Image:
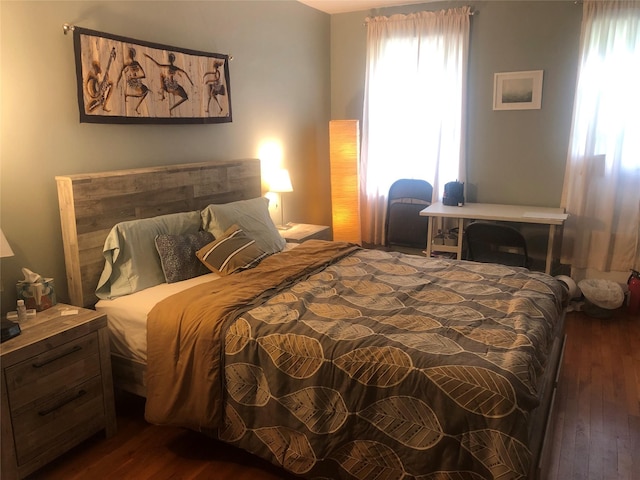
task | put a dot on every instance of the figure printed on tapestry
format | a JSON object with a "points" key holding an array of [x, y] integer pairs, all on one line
{"points": [[133, 73], [169, 77], [99, 89], [215, 85]]}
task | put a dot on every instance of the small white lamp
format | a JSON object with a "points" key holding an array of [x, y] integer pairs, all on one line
{"points": [[5, 251], [281, 183], [5, 248]]}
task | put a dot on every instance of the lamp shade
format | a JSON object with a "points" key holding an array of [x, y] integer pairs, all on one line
{"points": [[5, 248], [344, 157], [280, 181]]}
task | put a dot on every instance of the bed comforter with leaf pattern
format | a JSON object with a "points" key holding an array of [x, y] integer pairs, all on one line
{"points": [[350, 363]]}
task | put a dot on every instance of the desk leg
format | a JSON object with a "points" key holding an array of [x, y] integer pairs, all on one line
{"points": [[550, 244], [429, 238], [460, 236]]}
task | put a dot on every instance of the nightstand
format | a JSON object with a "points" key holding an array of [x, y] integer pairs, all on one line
{"points": [[57, 387], [299, 232]]}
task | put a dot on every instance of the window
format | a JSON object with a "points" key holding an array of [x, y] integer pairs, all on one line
{"points": [[602, 177], [413, 107]]}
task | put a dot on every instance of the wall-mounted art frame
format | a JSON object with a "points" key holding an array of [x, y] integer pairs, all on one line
{"points": [[517, 90], [122, 80]]}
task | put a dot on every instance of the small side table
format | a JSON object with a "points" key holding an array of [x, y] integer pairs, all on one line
{"points": [[57, 387], [300, 232]]}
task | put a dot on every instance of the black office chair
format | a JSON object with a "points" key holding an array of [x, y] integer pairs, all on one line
{"points": [[495, 243], [403, 224]]}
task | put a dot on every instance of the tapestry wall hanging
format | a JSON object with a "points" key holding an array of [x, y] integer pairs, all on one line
{"points": [[122, 80]]}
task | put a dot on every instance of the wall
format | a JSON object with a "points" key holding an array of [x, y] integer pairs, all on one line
{"points": [[515, 157], [294, 68], [280, 91]]}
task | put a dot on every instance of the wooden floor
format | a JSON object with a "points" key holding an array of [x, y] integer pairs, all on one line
{"points": [[596, 436]]}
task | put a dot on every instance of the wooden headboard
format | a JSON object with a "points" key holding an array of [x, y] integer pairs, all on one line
{"points": [[91, 204]]}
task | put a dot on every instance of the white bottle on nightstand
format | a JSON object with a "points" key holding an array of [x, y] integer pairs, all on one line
{"points": [[22, 311]]}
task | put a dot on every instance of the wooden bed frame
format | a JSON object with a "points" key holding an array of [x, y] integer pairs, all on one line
{"points": [[91, 204]]}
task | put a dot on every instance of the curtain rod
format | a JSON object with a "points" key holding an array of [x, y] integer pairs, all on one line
{"points": [[67, 27], [471, 13]]}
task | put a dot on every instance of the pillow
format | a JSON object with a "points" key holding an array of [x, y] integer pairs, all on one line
{"points": [[178, 255], [232, 252], [251, 215], [131, 259]]}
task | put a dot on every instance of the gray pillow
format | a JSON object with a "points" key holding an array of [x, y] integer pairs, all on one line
{"points": [[132, 262], [251, 215], [178, 255]]}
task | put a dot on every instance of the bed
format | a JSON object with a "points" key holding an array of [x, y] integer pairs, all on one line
{"points": [[327, 359]]}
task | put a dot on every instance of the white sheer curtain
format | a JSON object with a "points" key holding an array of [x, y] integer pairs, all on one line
{"points": [[602, 179], [414, 102]]}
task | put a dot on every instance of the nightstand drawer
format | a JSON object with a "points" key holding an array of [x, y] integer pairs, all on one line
{"points": [[52, 372], [58, 420]]}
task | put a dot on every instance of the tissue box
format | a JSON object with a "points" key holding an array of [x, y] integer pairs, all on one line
{"points": [[39, 295]]}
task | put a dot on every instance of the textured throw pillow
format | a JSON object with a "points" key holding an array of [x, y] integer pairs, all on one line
{"points": [[178, 255], [250, 215], [232, 252]]}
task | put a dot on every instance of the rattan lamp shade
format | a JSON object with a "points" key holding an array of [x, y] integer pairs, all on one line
{"points": [[344, 146]]}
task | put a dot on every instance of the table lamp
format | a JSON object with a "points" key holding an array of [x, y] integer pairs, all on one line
{"points": [[281, 183], [5, 251], [5, 248]]}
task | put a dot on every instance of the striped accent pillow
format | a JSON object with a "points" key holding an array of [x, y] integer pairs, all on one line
{"points": [[232, 252]]}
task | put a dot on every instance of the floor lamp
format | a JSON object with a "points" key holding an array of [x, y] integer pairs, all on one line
{"points": [[280, 184], [344, 159]]}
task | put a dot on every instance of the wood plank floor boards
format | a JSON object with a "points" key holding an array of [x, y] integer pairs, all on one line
{"points": [[596, 434], [143, 451]]}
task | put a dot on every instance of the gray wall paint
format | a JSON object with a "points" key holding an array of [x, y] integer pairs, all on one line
{"points": [[280, 90], [294, 68], [515, 157]]}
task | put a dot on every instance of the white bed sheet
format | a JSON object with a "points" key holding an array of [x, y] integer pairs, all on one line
{"points": [[127, 316]]}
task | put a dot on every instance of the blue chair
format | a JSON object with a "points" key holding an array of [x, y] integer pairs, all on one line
{"points": [[403, 224]]}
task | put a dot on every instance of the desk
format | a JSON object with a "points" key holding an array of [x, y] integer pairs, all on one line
{"points": [[494, 212]]}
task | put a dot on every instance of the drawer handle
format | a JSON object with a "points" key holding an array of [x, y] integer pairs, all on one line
{"points": [[75, 349], [80, 393]]}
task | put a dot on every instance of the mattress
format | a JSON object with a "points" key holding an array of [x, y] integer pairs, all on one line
{"points": [[127, 316]]}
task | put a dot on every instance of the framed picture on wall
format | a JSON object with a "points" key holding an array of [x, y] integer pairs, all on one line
{"points": [[517, 90]]}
